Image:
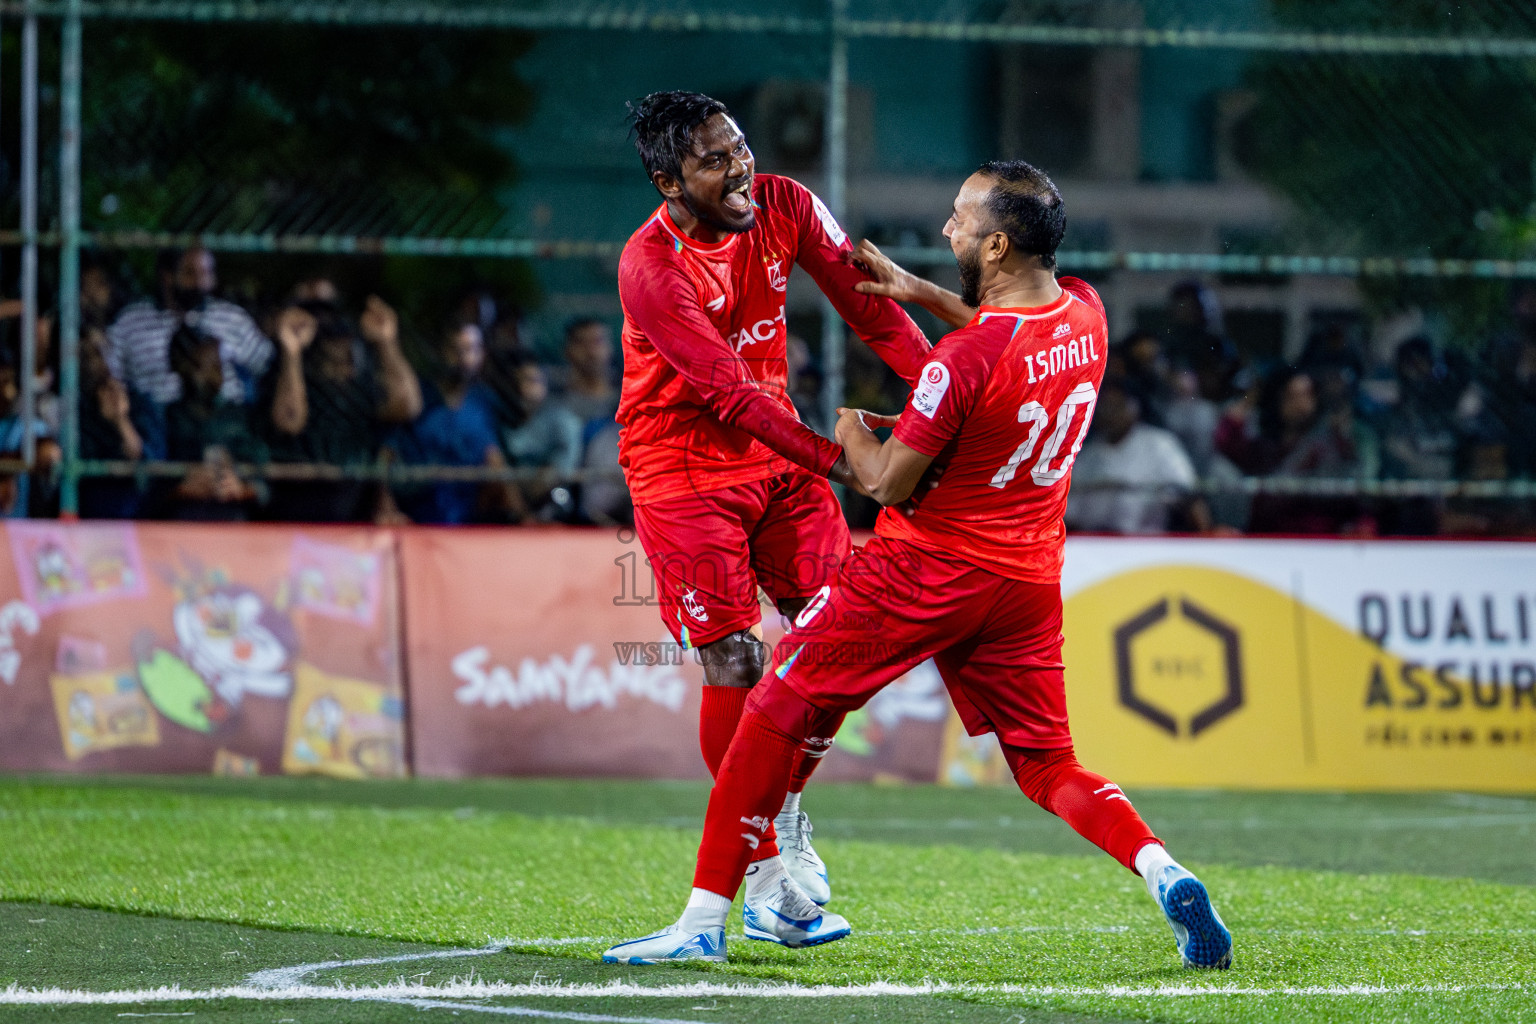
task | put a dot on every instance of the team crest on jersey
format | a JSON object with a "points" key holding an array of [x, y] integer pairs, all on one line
{"points": [[932, 384], [695, 606], [1062, 330], [777, 279]]}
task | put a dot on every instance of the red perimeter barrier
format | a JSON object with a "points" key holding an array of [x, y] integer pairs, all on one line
{"points": [[260, 649], [180, 648]]}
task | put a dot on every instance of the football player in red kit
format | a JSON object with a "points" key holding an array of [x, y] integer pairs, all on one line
{"points": [[964, 568], [730, 488]]}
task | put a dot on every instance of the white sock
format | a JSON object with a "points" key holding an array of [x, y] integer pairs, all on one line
{"points": [[1151, 859], [763, 875], [791, 805], [705, 910]]}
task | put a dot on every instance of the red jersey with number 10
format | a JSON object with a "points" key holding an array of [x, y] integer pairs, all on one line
{"points": [[1003, 405]]}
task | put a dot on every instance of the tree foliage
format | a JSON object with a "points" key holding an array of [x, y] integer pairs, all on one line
{"points": [[298, 128]]}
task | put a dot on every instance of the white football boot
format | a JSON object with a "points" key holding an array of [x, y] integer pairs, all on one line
{"points": [[775, 909], [800, 860], [1202, 937], [673, 944]]}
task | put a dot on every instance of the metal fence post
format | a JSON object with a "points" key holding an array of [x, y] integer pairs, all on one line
{"points": [[28, 234], [68, 338], [832, 336]]}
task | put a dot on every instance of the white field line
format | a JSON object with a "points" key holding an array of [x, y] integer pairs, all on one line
{"points": [[528, 1011], [287, 977], [470, 989]]}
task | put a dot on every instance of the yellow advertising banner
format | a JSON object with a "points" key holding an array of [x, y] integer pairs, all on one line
{"points": [[1296, 664]]}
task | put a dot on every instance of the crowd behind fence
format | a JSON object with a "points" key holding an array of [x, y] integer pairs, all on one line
{"points": [[318, 405], [314, 406]]}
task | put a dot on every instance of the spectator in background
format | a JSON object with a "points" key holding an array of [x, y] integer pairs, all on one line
{"points": [[1511, 381], [117, 423], [588, 390], [1146, 375], [329, 402], [1292, 438], [548, 439], [27, 493], [1419, 436], [804, 383], [206, 426], [1130, 476], [1484, 458], [1332, 347], [1195, 397], [457, 427], [140, 337], [479, 307], [604, 495], [1194, 331], [317, 289], [101, 293]]}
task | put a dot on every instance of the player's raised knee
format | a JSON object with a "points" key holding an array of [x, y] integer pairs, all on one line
{"points": [[734, 660]]}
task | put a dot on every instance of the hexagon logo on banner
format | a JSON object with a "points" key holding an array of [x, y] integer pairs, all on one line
{"points": [[1179, 667]]}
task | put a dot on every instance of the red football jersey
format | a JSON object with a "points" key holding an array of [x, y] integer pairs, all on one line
{"points": [[1003, 406], [705, 400]]}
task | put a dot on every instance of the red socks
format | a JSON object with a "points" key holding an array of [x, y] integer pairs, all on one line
{"points": [[718, 715], [805, 764], [749, 790], [1090, 803], [771, 746]]}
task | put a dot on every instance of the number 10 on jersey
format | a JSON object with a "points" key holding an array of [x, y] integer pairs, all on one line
{"points": [[1080, 401]]}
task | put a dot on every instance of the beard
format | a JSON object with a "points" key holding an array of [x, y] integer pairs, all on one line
{"points": [[970, 275]]}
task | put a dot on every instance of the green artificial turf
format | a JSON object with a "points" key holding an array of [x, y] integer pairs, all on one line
{"points": [[941, 886]]}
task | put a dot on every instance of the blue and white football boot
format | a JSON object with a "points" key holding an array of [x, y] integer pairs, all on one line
{"points": [[800, 860], [776, 910], [1204, 941], [673, 944]]}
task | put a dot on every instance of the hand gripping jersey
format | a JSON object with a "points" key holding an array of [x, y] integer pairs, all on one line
{"points": [[705, 401], [1003, 406]]}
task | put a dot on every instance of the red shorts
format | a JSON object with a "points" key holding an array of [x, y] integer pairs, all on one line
{"points": [[711, 551], [996, 641]]}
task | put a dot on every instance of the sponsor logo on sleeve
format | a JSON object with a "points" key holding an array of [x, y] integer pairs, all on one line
{"points": [[931, 386], [828, 222]]}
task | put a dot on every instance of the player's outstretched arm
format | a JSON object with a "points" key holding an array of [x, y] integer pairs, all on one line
{"points": [[823, 251], [889, 472], [894, 282], [664, 304]]}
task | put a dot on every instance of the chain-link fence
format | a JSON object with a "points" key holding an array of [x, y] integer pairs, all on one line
{"points": [[1312, 224]]}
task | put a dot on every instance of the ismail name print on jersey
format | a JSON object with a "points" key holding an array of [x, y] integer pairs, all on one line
{"points": [[1061, 356]]}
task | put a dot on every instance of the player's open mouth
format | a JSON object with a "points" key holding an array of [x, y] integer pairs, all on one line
{"points": [[739, 198]]}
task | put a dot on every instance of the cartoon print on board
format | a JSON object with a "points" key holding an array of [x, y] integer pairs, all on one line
{"points": [[349, 728], [230, 643], [62, 566], [16, 615], [336, 581]]}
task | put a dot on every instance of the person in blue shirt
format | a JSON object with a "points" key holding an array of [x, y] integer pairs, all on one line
{"points": [[457, 427]]}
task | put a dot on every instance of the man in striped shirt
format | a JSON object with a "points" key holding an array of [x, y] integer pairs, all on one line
{"points": [[139, 340]]}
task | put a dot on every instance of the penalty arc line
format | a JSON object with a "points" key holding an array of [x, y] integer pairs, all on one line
{"points": [[287, 977]]}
